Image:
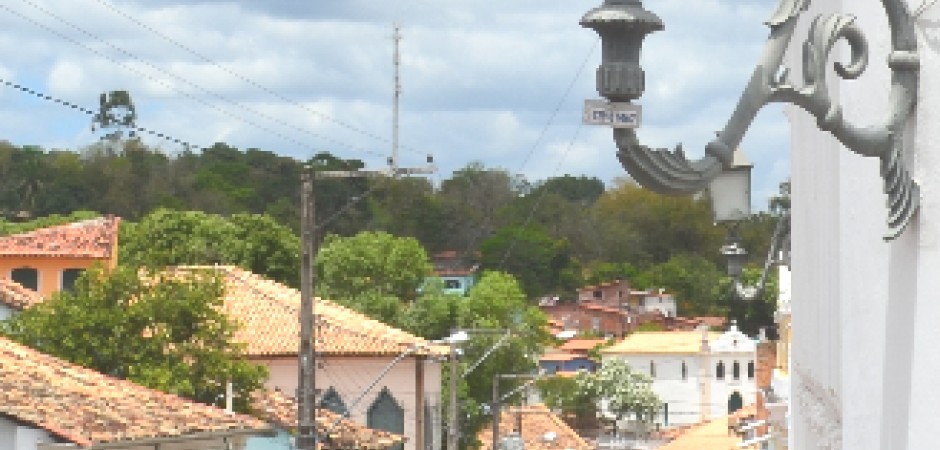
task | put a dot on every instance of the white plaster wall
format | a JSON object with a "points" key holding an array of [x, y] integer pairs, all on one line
{"points": [[5, 312], [865, 313], [684, 396], [18, 437], [351, 376]]}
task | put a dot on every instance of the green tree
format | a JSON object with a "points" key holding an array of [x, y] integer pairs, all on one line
{"points": [[164, 332], [562, 394], [542, 264], [374, 263], [168, 238], [496, 303], [692, 279], [624, 392], [473, 198], [434, 314]]}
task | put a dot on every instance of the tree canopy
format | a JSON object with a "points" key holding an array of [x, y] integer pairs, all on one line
{"points": [[621, 391], [164, 332]]}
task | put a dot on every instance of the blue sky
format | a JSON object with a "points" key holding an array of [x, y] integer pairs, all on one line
{"points": [[501, 82]]}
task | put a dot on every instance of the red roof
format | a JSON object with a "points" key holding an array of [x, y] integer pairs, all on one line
{"points": [[85, 407], [17, 296], [94, 238], [582, 345]]}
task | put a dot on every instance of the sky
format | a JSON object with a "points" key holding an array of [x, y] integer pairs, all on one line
{"points": [[497, 82]]}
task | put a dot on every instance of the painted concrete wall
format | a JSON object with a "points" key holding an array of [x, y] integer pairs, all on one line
{"points": [[350, 377], [864, 311], [50, 269], [687, 395], [14, 436]]}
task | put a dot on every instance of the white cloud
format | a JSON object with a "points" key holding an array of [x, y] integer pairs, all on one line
{"points": [[480, 79]]}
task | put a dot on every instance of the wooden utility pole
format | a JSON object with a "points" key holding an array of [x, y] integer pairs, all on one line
{"points": [[306, 430]]}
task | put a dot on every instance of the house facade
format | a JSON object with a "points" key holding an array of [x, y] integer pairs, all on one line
{"points": [[380, 376], [699, 375], [459, 274], [49, 259]]}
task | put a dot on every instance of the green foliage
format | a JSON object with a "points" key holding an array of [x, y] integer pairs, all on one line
{"points": [[433, 315], [692, 279], [751, 315], [650, 326], [167, 333], [562, 394], [374, 263], [603, 272], [496, 303], [170, 238], [626, 393], [8, 227], [542, 264]]}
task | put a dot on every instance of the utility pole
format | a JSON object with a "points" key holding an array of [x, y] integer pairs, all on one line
{"points": [[452, 429], [396, 61], [306, 428], [497, 402], [307, 438]]}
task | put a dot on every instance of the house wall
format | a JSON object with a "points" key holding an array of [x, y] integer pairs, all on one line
{"points": [[5, 312], [690, 397], [864, 311], [14, 436], [350, 376], [577, 317], [50, 269]]}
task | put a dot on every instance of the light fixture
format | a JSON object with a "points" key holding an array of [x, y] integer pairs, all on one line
{"points": [[730, 191], [622, 26]]}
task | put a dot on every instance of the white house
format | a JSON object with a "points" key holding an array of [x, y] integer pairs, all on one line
{"points": [[699, 375]]}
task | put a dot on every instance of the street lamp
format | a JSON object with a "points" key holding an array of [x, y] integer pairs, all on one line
{"points": [[622, 26]]}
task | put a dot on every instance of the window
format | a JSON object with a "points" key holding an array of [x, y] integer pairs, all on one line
{"points": [[386, 414], [598, 294], [652, 369], [720, 370], [68, 278], [332, 401], [596, 323], [750, 370], [27, 277], [736, 370], [452, 284], [685, 371]]}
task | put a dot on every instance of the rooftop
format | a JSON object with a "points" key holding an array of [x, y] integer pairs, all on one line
{"points": [[709, 435], [655, 342], [268, 314], [541, 430], [86, 408], [17, 296], [581, 345], [94, 238]]}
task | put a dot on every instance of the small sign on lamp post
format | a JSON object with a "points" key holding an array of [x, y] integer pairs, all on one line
{"points": [[612, 114]]}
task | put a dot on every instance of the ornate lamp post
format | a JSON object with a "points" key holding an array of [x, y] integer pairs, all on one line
{"points": [[623, 24]]}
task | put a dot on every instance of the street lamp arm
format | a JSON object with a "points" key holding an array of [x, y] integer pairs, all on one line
{"points": [[670, 172]]}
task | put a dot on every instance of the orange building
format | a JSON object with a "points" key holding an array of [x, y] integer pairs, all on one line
{"points": [[50, 259]]}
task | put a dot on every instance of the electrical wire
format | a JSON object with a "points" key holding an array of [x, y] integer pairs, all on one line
{"points": [[251, 82], [177, 78], [89, 112]]}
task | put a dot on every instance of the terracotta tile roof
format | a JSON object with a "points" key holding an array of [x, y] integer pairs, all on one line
{"points": [[686, 342], [85, 407], [281, 409], [581, 345], [710, 435], [538, 424], [94, 238], [268, 313], [560, 356], [16, 296]]}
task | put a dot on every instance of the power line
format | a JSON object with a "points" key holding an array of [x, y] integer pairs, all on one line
{"points": [[564, 156], [245, 79], [178, 78], [89, 112]]}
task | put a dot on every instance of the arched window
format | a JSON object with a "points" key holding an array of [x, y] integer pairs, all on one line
{"points": [[68, 278], [735, 402], [685, 371], [750, 370], [332, 401], [720, 370], [736, 370], [26, 277], [386, 414]]}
